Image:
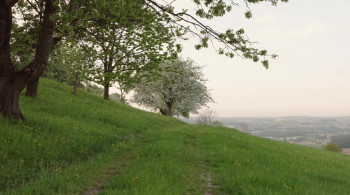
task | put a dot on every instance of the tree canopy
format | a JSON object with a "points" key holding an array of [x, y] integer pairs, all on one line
{"points": [[332, 147], [232, 42], [178, 89], [130, 40], [149, 26]]}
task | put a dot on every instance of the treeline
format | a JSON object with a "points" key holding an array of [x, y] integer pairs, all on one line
{"points": [[343, 141], [104, 42]]}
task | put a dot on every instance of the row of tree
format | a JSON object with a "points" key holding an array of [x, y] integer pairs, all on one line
{"points": [[115, 39], [177, 87], [343, 141]]}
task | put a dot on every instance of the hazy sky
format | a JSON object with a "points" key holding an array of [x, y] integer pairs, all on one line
{"points": [[311, 76]]}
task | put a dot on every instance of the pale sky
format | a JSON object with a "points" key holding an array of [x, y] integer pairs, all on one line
{"points": [[311, 76]]}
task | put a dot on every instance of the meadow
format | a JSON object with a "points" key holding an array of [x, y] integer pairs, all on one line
{"points": [[86, 145]]}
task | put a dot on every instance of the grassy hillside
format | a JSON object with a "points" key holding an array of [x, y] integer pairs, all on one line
{"points": [[83, 145]]}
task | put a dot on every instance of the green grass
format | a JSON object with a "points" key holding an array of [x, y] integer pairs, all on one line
{"points": [[63, 132], [77, 144], [244, 164], [167, 165]]}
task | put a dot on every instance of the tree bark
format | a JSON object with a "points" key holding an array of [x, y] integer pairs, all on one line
{"points": [[75, 84], [5, 34], [32, 88], [9, 88], [106, 92], [169, 109], [107, 70], [163, 111], [12, 82], [122, 95], [43, 50], [10, 91]]}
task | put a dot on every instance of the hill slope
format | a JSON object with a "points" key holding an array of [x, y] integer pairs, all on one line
{"points": [[83, 144]]}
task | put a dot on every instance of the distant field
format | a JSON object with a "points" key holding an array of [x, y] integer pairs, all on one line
{"points": [[303, 130], [85, 145], [346, 151], [313, 145]]}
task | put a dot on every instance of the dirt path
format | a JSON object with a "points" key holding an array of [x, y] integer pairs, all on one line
{"points": [[121, 162], [207, 181], [208, 184], [200, 180]]}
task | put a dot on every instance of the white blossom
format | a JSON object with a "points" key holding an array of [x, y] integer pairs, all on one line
{"points": [[178, 89]]}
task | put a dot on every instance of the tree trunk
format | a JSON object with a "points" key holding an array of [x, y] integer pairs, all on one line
{"points": [[32, 88], [122, 95], [169, 112], [10, 87], [13, 82], [107, 64], [43, 50], [10, 91], [106, 92], [75, 84], [163, 111]]}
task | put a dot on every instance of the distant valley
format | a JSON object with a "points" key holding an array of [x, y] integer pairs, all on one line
{"points": [[311, 131]]}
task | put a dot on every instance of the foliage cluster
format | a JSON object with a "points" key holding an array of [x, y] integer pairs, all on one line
{"points": [[178, 89], [332, 147], [132, 39]]}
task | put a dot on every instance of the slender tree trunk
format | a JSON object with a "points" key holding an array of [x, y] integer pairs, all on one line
{"points": [[75, 84], [106, 92], [106, 70], [169, 112], [122, 95], [32, 88]]}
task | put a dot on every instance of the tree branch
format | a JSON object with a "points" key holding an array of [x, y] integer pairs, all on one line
{"points": [[36, 9], [13, 2]]}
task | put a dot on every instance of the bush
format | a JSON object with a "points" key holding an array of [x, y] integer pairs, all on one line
{"points": [[217, 124], [332, 147]]}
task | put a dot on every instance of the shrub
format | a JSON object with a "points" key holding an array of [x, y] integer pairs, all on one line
{"points": [[332, 147]]}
